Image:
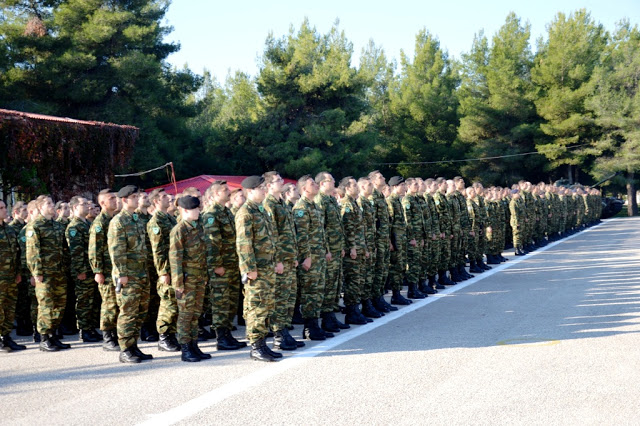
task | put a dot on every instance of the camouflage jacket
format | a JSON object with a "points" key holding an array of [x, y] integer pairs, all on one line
{"points": [[517, 208], [465, 221], [396, 216], [455, 208], [426, 216], [98, 246], [220, 234], [414, 218], [127, 240], [283, 222], [309, 230], [47, 250], [381, 210], [433, 212], [158, 230], [369, 219], [17, 225], [22, 242], [9, 252], [353, 224], [77, 235], [473, 210], [333, 229], [444, 213], [257, 240], [187, 253]]}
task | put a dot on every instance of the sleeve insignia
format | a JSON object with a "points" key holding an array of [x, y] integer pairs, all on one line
{"points": [[347, 209], [300, 213], [135, 217], [98, 229], [407, 206], [210, 221], [156, 230], [23, 239], [73, 232], [30, 233]]}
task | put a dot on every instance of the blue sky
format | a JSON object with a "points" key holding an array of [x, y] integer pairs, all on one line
{"points": [[224, 36]]}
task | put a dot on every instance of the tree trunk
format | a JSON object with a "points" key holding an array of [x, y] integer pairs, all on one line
{"points": [[632, 204]]}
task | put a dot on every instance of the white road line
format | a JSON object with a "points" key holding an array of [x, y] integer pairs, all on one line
{"points": [[256, 378]]}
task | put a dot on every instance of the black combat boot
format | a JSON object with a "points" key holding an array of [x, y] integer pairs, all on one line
{"points": [[398, 299], [312, 330], [196, 350], [36, 335], [352, 316], [379, 304], [187, 353], [274, 354], [445, 279], [4, 348], [136, 350], [337, 322], [426, 289], [148, 335], [47, 345], [8, 341], [414, 293], [475, 268], [492, 259], [54, 339], [281, 342], [289, 338], [236, 341], [128, 357], [519, 252], [224, 342], [483, 265], [368, 310], [259, 351], [328, 324], [387, 304], [110, 341], [88, 337], [464, 271], [166, 344], [433, 283]]}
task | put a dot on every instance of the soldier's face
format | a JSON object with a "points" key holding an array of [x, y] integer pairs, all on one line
{"points": [[131, 202], [164, 201], [328, 185], [276, 184], [366, 188], [191, 214], [223, 194], [378, 180], [238, 199], [109, 202], [82, 208], [23, 213], [311, 187], [413, 187], [65, 210], [143, 200], [257, 194], [47, 209], [3, 210]]}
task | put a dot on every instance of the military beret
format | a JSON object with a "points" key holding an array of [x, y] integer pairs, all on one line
{"points": [[105, 191], [252, 182], [125, 191], [514, 191], [58, 205], [396, 180], [189, 202], [219, 182]]}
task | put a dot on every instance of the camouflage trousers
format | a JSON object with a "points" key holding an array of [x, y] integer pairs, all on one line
{"points": [[109, 307], [368, 274], [168, 309], [332, 282], [133, 302], [33, 308], [311, 285], [52, 298], [445, 253], [259, 303], [456, 249], [353, 278], [381, 268], [154, 300], [518, 241], [285, 291], [23, 303], [433, 254], [85, 291], [424, 258], [8, 299], [414, 261], [190, 308], [473, 250], [398, 263], [225, 296]]}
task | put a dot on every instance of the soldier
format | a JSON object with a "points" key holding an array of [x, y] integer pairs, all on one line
{"points": [[32, 209], [398, 263], [365, 190], [128, 251], [98, 252], [518, 220], [313, 253], [416, 235], [437, 238], [9, 279], [257, 252], [148, 331], [354, 262], [290, 195], [443, 210], [236, 200], [334, 234], [46, 261], [24, 325], [465, 225], [63, 213], [286, 287], [222, 260], [158, 230], [77, 235], [188, 259]]}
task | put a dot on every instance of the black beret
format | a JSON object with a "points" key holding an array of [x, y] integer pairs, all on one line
{"points": [[188, 202], [219, 182], [58, 205], [252, 182], [127, 190], [396, 180]]}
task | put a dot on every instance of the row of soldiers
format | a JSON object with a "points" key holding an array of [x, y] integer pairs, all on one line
{"points": [[292, 251]]}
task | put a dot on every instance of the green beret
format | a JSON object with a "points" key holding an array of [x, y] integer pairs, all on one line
{"points": [[252, 182], [396, 180], [189, 202], [127, 190]]}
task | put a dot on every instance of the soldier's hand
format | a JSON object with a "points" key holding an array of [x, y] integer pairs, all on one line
{"points": [[82, 276], [252, 275], [99, 278], [391, 247], [219, 271], [179, 293], [413, 243], [443, 236], [489, 229], [451, 237], [306, 264], [295, 263], [422, 243], [366, 254], [164, 279], [18, 279], [472, 233], [124, 281], [353, 253], [32, 281], [38, 278], [279, 268], [342, 253], [328, 256]]}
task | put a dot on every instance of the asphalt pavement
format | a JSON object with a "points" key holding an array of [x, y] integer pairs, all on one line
{"points": [[548, 338]]}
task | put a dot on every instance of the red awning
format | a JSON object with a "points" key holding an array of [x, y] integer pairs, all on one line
{"points": [[203, 182]]}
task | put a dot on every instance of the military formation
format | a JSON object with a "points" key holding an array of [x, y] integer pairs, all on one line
{"points": [[155, 267]]}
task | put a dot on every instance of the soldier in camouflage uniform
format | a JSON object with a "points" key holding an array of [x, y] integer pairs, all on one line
{"points": [[465, 226], [354, 262], [9, 279], [398, 263], [128, 251], [158, 230], [257, 246], [334, 234], [436, 236], [518, 221], [443, 210], [484, 221], [222, 260], [77, 235], [98, 252], [416, 235], [46, 261], [24, 326], [189, 275], [286, 287], [313, 253], [475, 216], [382, 242], [454, 209], [148, 331]]}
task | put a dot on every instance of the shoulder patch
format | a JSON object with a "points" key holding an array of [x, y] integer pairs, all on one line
{"points": [[73, 232], [155, 229], [210, 221], [30, 233], [347, 209], [135, 216], [300, 213], [407, 206], [261, 208], [23, 239], [98, 229]]}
